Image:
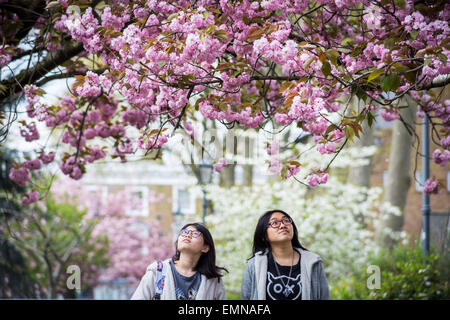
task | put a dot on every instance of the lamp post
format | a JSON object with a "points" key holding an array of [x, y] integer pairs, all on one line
{"points": [[425, 197], [206, 171]]}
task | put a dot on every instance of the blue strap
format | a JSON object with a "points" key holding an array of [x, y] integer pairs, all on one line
{"points": [[160, 277]]}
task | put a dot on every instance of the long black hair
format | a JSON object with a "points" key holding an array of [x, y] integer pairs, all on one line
{"points": [[260, 239], [207, 263]]}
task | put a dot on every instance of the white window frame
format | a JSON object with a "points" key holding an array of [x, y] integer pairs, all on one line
{"points": [[448, 180], [419, 181], [175, 194], [145, 205]]}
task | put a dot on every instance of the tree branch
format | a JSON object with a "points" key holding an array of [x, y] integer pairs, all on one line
{"points": [[442, 82], [68, 74], [31, 75]]}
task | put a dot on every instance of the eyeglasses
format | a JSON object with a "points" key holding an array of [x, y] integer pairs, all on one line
{"points": [[193, 233], [276, 223]]}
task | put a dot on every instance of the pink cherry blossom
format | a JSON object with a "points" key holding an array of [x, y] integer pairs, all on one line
{"points": [[31, 197], [291, 171], [314, 179], [32, 164], [47, 158], [220, 165], [441, 157], [389, 115], [432, 187], [273, 148], [20, 176], [244, 63], [30, 132]]}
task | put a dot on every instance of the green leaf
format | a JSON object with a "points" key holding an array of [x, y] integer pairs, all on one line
{"points": [[235, 73], [326, 68], [443, 58], [361, 94], [390, 83], [370, 119], [358, 49], [161, 64], [221, 34], [349, 133], [413, 34], [52, 4], [411, 76], [211, 28], [375, 74], [389, 43], [330, 128], [308, 63], [400, 3], [294, 163]]}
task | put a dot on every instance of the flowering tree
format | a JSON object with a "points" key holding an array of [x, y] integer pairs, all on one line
{"points": [[338, 221], [133, 243], [53, 236], [15, 281], [150, 65], [75, 227]]}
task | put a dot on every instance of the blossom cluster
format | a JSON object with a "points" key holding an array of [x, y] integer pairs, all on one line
{"points": [[133, 244], [246, 63]]}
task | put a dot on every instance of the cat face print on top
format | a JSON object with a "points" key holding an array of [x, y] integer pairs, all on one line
{"points": [[283, 287]]}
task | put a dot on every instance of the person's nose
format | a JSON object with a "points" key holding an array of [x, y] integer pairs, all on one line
{"points": [[283, 225]]}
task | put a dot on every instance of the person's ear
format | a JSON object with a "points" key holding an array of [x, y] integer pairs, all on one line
{"points": [[205, 248]]}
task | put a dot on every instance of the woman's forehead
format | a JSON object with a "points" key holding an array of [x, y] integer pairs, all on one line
{"points": [[191, 228], [276, 215]]}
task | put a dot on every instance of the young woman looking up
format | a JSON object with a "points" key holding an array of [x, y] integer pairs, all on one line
{"points": [[281, 268], [191, 274]]}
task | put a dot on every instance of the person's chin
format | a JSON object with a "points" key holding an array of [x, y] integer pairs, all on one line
{"points": [[183, 246], [284, 237], [187, 248]]}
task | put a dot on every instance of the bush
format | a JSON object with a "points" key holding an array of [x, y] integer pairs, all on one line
{"points": [[404, 275]]}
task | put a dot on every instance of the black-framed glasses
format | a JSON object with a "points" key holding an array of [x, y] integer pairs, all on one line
{"points": [[276, 223], [193, 233]]}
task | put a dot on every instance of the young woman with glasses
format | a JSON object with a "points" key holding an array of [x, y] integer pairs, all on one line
{"points": [[280, 267], [191, 274]]}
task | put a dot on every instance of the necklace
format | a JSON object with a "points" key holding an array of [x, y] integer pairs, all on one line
{"points": [[287, 290]]}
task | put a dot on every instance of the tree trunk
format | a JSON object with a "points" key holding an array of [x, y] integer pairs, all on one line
{"points": [[399, 172], [360, 176]]}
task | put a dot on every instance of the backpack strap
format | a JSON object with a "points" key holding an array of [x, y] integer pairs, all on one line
{"points": [[160, 279]]}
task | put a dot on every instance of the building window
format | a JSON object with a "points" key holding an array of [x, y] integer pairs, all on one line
{"points": [[138, 199], [97, 198], [183, 201], [239, 174], [448, 180], [419, 181]]}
